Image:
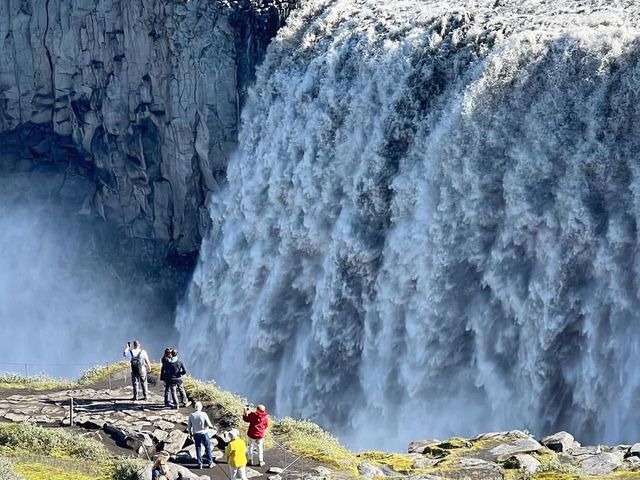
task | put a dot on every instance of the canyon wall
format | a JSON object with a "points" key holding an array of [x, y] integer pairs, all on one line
{"points": [[131, 106]]}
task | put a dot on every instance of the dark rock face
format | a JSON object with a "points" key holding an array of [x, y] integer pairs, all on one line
{"points": [[131, 105]]}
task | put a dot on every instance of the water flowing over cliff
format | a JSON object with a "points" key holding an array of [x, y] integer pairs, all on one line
{"points": [[430, 226]]}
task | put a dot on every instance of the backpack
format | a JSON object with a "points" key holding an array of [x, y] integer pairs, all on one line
{"points": [[136, 364]]}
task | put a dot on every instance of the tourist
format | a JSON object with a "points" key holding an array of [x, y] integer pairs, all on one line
{"points": [[174, 370], [160, 469], [258, 421], [197, 428], [236, 456], [163, 376], [139, 367]]}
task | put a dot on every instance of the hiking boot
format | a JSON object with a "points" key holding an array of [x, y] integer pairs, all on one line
{"points": [[185, 404], [262, 464], [199, 466]]}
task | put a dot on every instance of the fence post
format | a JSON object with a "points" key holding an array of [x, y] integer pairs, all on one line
{"points": [[71, 411], [109, 372], [26, 376]]}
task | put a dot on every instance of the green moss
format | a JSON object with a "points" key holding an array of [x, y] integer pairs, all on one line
{"points": [[555, 476], [38, 471], [396, 461]]}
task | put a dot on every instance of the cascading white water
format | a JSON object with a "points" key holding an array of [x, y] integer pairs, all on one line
{"points": [[430, 227]]}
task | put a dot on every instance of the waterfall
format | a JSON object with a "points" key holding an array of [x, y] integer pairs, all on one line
{"points": [[430, 225]]}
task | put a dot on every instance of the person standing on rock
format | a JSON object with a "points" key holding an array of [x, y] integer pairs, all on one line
{"points": [[258, 421], [163, 377], [197, 428], [174, 370], [236, 453], [139, 367]]}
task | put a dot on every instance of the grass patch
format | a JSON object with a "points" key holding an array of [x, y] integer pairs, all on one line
{"points": [[42, 381], [396, 461], [38, 382], [21, 438], [39, 471], [101, 373], [229, 404], [54, 453], [311, 441]]}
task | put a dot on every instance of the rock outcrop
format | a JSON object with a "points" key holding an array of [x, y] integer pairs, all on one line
{"points": [[132, 104]]}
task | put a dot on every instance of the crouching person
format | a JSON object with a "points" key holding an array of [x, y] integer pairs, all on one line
{"points": [[197, 428], [236, 453]]}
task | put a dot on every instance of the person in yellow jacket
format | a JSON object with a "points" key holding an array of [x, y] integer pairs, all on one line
{"points": [[236, 453]]}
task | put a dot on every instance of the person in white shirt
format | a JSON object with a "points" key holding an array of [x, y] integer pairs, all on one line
{"points": [[197, 428], [139, 367]]}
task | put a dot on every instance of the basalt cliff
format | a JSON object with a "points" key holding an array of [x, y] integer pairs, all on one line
{"points": [[127, 110]]}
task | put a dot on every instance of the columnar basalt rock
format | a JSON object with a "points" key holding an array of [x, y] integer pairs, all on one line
{"points": [[149, 93]]}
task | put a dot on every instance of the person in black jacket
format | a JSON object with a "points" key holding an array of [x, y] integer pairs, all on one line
{"points": [[163, 377], [173, 371]]}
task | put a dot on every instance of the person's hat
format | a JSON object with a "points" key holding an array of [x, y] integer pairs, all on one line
{"points": [[262, 408], [235, 433], [197, 406]]}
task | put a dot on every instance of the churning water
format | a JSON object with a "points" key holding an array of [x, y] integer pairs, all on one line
{"points": [[431, 224]]}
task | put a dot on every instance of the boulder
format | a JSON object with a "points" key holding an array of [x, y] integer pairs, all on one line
{"points": [[140, 442], [470, 463], [426, 462], [251, 473], [177, 471], [523, 461], [275, 470], [601, 464], [164, 425], [500, 435], [586, 451], [322, 471], [632, 463], [455, 442], [174, 442], [369, 470], [419, 445], [633, 451], [560, 442], [160, 435], [502, 452], [118, 434]]}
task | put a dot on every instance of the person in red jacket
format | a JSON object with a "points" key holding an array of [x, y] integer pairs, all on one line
{"points": [[258, 421]]}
